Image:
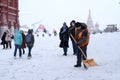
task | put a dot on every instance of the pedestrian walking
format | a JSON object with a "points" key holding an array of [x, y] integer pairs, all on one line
{"points": [[30, 42], [3, 41], [23, 43], [18, 42], [8, 38]]}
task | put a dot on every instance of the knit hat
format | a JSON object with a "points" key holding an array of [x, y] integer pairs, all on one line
{"points": [[73, 21], [30, 31], [77, 24], [64, 24], [83, 25]]}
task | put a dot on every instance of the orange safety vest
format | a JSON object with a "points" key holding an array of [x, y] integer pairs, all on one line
{"points": [[79, 37]]}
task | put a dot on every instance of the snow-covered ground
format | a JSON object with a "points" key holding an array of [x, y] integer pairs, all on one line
{"points": [[47, 62]]}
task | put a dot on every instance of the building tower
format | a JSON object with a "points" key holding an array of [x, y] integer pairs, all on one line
{"points": [[90, 23], [96, 27], [9, 15]]}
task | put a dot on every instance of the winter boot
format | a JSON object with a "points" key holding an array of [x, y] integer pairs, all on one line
{"points": [[29, 57], [65, 54], [23, 51], [77, 65]]}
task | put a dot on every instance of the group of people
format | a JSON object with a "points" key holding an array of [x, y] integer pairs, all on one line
{"points": [[77, 32], [21, 40], [79, 36], [6, 39]]}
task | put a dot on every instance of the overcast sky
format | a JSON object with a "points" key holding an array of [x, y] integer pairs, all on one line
{"points": [[52, 13]]}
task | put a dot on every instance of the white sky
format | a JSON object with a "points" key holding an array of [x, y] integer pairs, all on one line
{"points": [[52, 13]]}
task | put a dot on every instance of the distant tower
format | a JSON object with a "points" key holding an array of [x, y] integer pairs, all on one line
{"points": [[9, 15], [96, 27], [90, 23]]}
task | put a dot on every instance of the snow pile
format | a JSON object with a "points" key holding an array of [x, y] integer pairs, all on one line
{"points": [[47, 62]]}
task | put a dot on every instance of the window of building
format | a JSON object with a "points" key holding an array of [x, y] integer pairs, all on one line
{"points": [[10, 3]]}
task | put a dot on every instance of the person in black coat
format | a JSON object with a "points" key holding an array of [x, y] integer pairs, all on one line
{"points": [[72, 32], [31, 43], [64, 37], [4, 42]]}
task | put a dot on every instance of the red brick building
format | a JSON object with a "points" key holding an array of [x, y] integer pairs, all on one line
{"points": [[9, 16]]}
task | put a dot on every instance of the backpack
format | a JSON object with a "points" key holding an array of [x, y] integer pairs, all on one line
{"points": [[28, 38]]}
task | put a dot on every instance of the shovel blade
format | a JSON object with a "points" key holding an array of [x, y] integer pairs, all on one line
{"points": [[89, 63]]}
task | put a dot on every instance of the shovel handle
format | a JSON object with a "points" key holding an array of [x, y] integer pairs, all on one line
{"points": [[78, 46]]}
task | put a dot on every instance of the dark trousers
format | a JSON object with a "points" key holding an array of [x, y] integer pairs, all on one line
{"points": [[17, 47], [74, 47], [9, 44], [5, 45], [29, 51], [80, 57], [65, 50]]}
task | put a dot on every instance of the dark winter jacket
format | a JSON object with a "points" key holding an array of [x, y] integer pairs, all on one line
{"points": [[3, 38], [31, 44], [23, 42], [72, 28], [64, 37], [72, 31]]}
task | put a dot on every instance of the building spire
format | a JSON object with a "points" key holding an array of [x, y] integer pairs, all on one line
{"points": [[89, 13], [90, 22]]}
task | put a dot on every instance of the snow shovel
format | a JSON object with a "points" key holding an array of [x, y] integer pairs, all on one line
{"points": [[87, 62]]}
